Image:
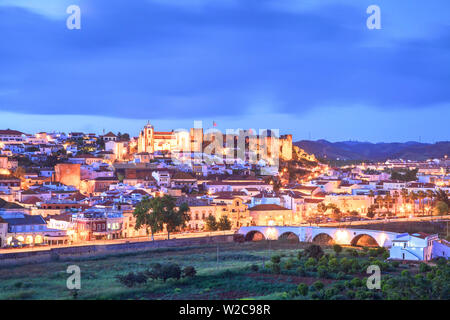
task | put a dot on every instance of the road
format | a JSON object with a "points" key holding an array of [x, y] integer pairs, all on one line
{"points": [[185, 235], [216, 233]]}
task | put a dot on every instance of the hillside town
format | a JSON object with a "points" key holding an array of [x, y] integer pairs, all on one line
{"points": [[66, 189]]}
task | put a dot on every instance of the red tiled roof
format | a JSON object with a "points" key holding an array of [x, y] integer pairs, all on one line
{"points": [[11, 132], [421, 235], [32, 200], [267, 207], [182, 176], [139, 191]]}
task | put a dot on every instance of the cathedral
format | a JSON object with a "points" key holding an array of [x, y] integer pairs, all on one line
{"points": [[153, 141]]}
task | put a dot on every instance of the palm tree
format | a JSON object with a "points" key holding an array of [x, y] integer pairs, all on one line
{"points": [[442, 195], [395, 197], [430, 196], [405, 197], [421, 196], [388, 201], [371, 196], [413, 197], [379, 201]]}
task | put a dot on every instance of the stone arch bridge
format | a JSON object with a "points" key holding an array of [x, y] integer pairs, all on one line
{"points": [[323, 235]]}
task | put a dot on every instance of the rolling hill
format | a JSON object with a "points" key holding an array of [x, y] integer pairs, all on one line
{"points": [[354, 150]]}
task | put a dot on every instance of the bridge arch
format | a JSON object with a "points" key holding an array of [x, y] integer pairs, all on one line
{"points": [[289, 236], [254, 235], [323, 238], [364, 240]]}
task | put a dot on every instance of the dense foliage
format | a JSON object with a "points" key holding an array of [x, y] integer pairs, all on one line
{"points": [[157, 272], [349, 278]]}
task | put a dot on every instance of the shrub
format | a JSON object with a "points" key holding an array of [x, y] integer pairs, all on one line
{"points": [[337, 249], [301, 271], [323, 261], [333, 264], [322, 272], [351, 294], [166, 271], [355, 266], [340, 275], [189, 272], [345, 264], [314, 251], [356, 282], [441, 262], [405, 273], [254, 267], [302, 289], [132, 279], [300, 255], [289, 264], [373, 252], [275, 259], [339, 286], [292, 293], [318, 285], [311, 264], [275, 268], [315, 296], [424, 267], [330, 292], [155, 271], [361, 294]]}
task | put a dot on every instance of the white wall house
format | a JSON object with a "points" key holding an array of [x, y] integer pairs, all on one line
{"points": [[416, 246], [441, 248], [162, 178]]}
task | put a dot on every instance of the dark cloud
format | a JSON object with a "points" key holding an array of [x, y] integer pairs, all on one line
{"points": [[138, 59]]}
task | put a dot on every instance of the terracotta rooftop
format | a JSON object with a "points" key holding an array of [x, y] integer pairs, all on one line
{"points": [[267, 207]]}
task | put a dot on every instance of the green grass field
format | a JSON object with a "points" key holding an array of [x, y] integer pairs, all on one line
{"points": [[232, 277]]}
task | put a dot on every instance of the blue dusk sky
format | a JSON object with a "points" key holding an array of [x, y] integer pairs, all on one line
{"points": [[307, 67]]}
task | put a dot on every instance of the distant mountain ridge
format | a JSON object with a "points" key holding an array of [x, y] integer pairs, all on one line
{"points": [[355, 150]]}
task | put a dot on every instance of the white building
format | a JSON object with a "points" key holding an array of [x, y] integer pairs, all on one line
{"points": [[162, 177], [416, 246]]}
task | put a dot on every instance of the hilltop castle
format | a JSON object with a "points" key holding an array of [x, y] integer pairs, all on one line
{"points": [[151, 141]]}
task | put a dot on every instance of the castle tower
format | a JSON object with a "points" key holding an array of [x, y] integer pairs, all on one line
{"points": [[146, 139], [196, 139], [286, 147]]}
